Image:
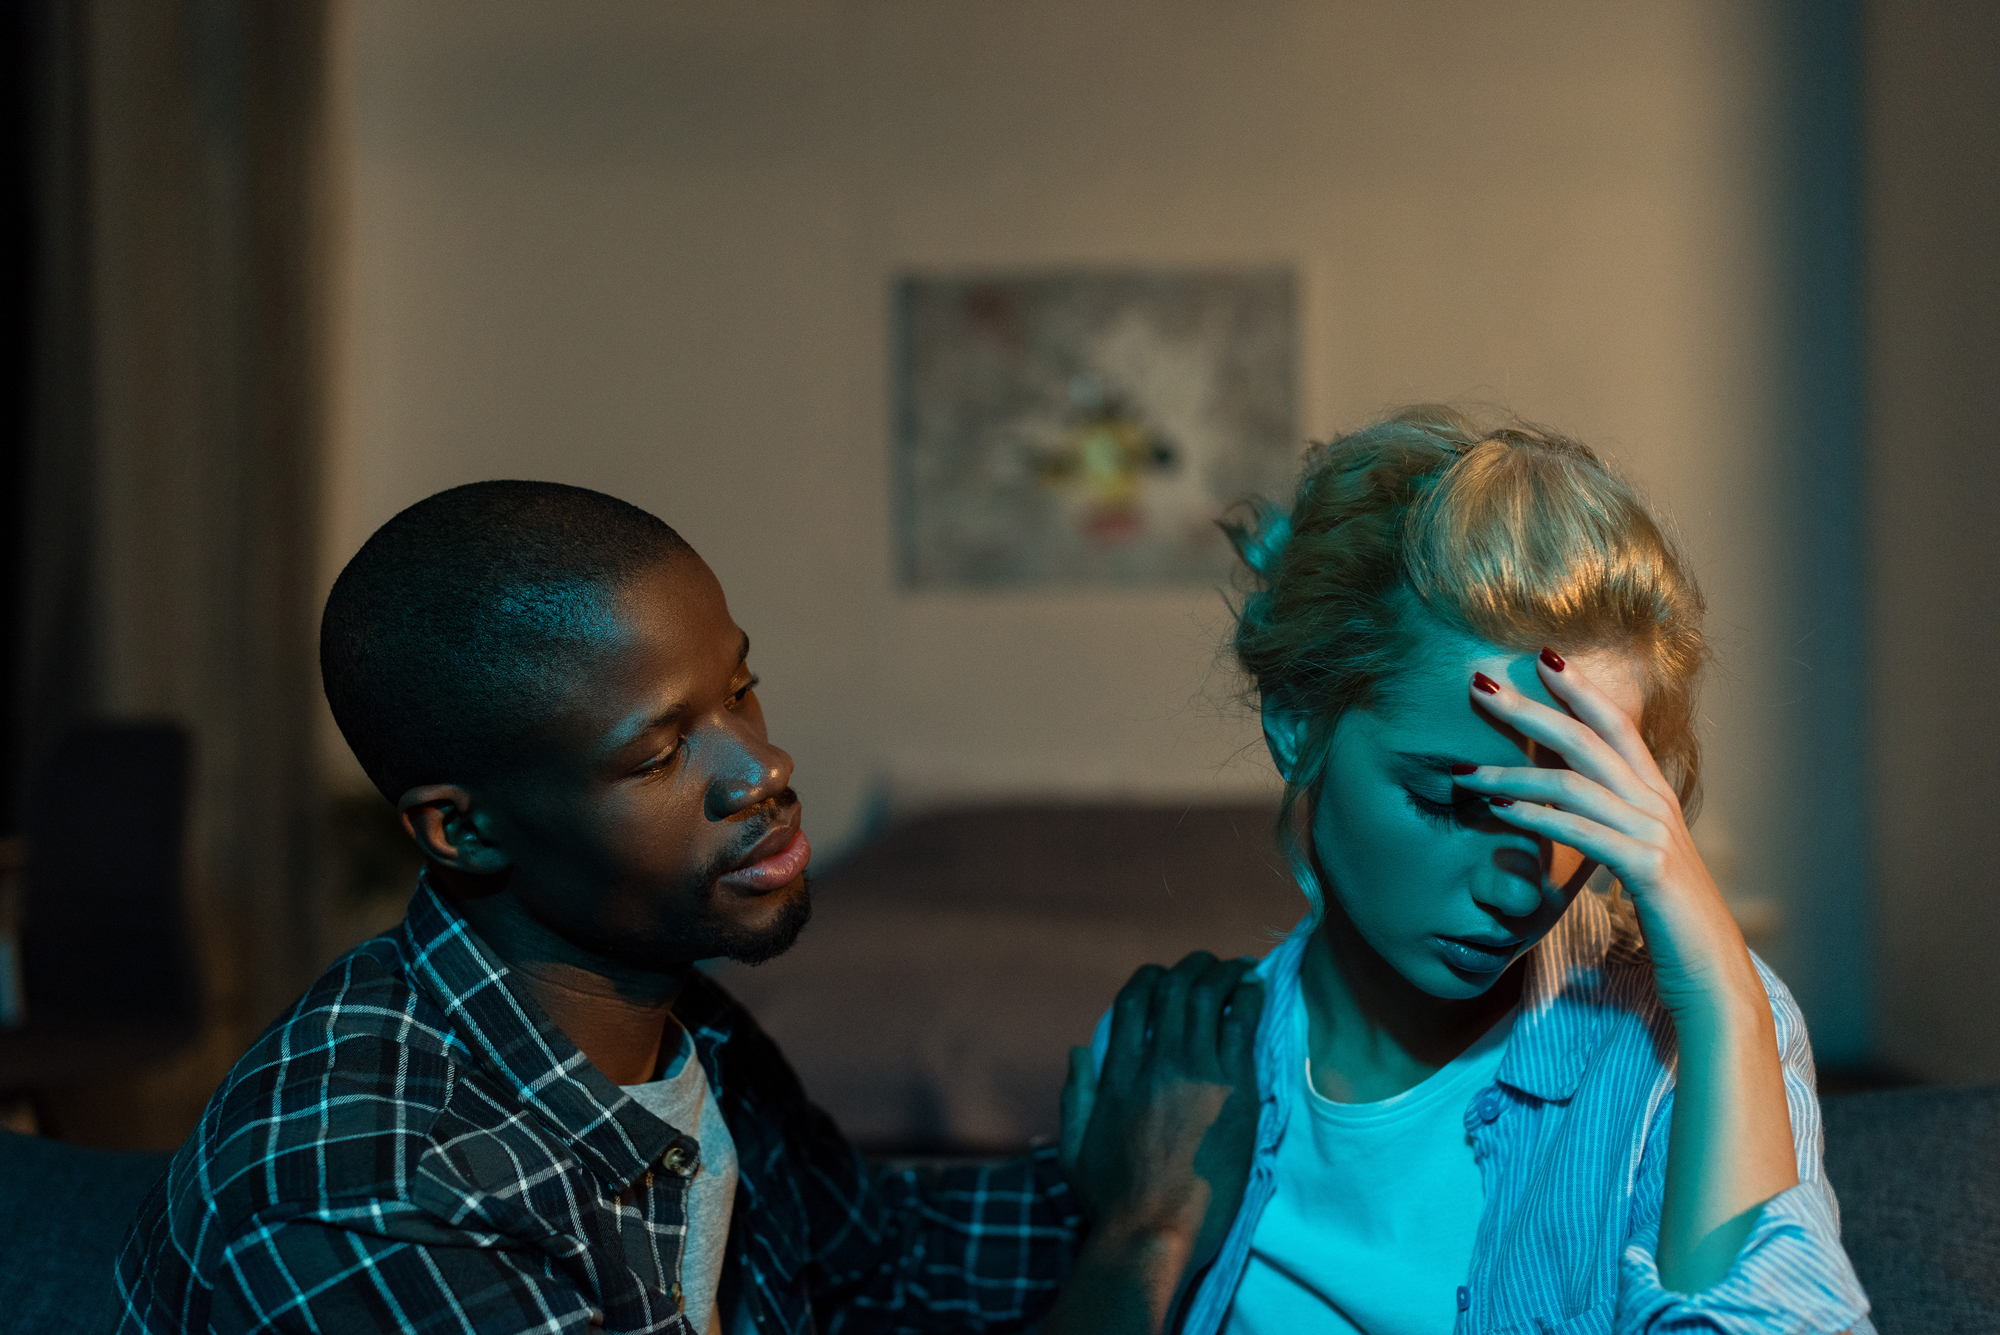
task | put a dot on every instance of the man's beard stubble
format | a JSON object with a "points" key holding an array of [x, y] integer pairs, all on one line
{"points": [[756, 946]]}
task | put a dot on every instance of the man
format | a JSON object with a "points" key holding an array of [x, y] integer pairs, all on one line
{"points": [[525, 1110]]}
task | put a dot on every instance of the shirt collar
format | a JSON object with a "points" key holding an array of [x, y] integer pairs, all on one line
{"points": [[1564, 997], [510, 1036], [1563, 1003]]}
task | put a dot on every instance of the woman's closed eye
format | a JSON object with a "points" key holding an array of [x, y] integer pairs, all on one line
{"points": [[1462, 814]]}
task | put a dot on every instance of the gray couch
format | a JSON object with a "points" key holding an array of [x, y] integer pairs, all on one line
{"points": [[63, 1213], [1918, 1176]]}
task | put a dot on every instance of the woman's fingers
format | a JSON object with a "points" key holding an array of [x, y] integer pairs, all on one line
{"points": [[1565, 789], [1633, 861], [1578, 744], [1592, 706]]}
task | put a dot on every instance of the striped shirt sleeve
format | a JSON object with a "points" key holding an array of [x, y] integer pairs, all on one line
{"points": [[1791, 1273]]}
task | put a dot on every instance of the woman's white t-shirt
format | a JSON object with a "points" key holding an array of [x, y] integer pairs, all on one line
{"points": [[1376, 1210]]}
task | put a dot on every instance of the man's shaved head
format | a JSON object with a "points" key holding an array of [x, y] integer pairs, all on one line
{"points": [[446, 637]]}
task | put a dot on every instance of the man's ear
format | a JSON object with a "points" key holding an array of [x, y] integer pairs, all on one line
{"points": [[1284, 733], [451, 830]]}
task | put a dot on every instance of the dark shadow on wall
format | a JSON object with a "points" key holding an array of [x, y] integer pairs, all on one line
{"points": [[172, 469]]}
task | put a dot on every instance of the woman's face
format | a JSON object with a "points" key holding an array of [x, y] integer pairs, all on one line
{"points": [[1442, 891]]}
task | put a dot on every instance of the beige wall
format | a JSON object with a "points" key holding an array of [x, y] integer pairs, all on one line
{"points": [[646, 247], [1934, 304]]}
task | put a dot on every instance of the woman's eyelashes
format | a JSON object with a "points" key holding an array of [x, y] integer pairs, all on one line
{"points": [[742, 692], [1462, 814]]}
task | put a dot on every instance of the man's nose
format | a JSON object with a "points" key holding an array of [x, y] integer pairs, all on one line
{"points": [[750, 770]]}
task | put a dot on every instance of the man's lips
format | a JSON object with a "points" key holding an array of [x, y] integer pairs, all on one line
{"points": [[775, 860]]}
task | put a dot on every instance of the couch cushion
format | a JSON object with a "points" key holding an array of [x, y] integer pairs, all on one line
{"points": [[1918, 1176], [63, 1214]]}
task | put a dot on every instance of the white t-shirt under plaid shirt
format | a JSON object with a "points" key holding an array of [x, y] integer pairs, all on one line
{"points": [[681, 1098]]}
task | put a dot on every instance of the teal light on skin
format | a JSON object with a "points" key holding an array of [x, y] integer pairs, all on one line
{"points": [[1559, 782], [1387, 1001]]}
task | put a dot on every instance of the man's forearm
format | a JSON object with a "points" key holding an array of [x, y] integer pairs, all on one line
{"points": [[1124, 1283]]}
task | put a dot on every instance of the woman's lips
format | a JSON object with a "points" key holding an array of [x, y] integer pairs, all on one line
{"points": [[1477, 956], [778, 869]]}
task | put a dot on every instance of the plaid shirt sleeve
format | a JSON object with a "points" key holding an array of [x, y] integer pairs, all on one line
{"points": [[416, 1147], [883, 1251], [313, 1275], [979, 1247]]}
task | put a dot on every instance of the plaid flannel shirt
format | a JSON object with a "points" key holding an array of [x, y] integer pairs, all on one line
{"points": [[415, 1146]]}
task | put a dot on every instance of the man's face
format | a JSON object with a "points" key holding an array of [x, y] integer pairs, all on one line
{"points": [[656, 824]]}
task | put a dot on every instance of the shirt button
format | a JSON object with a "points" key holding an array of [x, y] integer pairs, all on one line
{"points": [[682, 1158], [1464, 1297], [1487, 1106]]}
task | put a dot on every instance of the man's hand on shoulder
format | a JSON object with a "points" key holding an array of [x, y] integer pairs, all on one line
{"points": [[1158, 1144]]}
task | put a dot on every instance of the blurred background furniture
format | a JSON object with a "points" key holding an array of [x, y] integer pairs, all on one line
{"points": [[1918, 1176], [108, 972], [63, 1214], [953, 959]]}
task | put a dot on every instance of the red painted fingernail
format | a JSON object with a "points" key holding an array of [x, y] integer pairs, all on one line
{"points": [[1463, 769], [1553, 659], [1485, 683], [1499, 801]]}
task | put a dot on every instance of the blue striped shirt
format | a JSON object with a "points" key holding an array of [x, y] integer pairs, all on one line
{"points": [[1571, 1141]]}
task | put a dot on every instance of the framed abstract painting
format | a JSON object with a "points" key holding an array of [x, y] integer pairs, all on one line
{"points": [[1088, 427]]}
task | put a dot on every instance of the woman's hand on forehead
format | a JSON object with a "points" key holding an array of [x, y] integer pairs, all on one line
{"points": [[1730, 1142], [1613, 804]]}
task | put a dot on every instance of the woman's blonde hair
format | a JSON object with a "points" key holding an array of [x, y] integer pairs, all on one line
{"points": [[1512, 534]]}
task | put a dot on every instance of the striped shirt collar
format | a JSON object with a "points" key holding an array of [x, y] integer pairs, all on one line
{"points": [[1562, 997], [1562, 1005]]}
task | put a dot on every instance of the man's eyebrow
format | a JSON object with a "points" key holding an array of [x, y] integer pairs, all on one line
{"points": [[667, 717]]}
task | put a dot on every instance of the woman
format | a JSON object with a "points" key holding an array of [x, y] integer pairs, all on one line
{"points": [[1488, 1099]]}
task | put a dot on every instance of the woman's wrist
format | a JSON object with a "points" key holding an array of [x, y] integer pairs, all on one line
{"points": [[1722, 1001]]}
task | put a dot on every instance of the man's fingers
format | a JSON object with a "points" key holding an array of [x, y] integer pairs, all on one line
{"points": [[1207, 999], [1170, 1003], [1130, 1014], [1237, 1035], [1079, 1096]]}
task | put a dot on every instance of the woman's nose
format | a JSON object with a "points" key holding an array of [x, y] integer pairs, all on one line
{"points": [[1512, 884]]}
